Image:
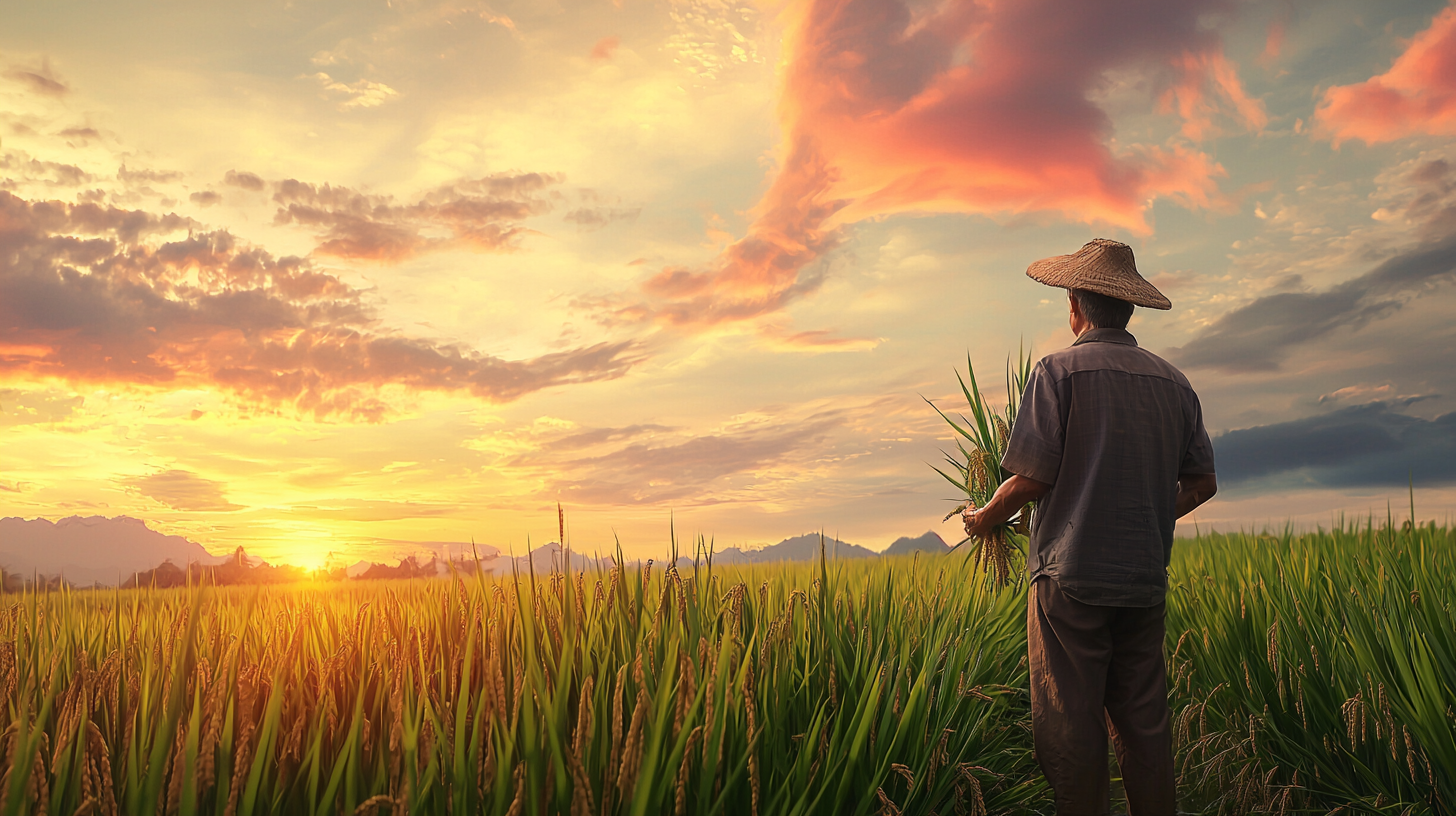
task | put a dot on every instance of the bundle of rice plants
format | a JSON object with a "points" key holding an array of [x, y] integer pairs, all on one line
{"points": [[975, 467]]}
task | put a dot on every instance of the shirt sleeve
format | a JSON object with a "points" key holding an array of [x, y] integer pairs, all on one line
{"points": [[1198, 459], [1037, 438]]}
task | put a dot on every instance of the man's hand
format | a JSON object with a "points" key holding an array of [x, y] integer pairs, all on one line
{"points": [[978, 523], [1011, 496]]}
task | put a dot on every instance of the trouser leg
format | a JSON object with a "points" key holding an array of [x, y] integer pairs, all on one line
{"points": [[1137, 708], [1069, 648]]}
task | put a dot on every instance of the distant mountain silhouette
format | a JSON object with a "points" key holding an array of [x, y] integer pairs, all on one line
{"points": [[92, 549], [238, 569], [798, 548], [544, 559], [928, 543]]}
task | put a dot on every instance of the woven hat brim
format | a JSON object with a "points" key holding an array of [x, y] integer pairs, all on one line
{"points": [[1113, 280]]}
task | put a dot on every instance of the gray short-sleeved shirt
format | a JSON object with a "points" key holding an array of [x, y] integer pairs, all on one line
{"points": [[1110, 426]]}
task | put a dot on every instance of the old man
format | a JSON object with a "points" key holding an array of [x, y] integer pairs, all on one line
{"points": [[1110, 443]]}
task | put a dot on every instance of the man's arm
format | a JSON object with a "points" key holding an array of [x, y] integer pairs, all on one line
{"points": [[1012, 495], [1194, 489]]}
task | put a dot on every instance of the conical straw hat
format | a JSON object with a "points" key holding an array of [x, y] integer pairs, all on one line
{"points": [[1101, 266]]}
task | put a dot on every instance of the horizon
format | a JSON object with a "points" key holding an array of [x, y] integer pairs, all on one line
{"points": [[338, 279], [461, 552]]}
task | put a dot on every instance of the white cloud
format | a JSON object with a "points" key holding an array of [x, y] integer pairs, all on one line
{"points": [[362, 94]]}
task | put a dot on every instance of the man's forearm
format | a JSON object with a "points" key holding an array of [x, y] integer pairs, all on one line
{"points": [[1194, 490], [1011, 496]]}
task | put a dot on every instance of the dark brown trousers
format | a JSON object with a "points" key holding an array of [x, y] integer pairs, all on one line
{"points": [[1093, 667]]}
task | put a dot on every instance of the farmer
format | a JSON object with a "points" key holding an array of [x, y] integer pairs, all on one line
{"points": [[1109, 441]]}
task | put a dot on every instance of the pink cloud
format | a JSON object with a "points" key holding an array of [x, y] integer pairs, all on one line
{"points": [[1274, 40], [1416, 96], [1208, 85], [980, 108], [99, 294], [481, 214]]}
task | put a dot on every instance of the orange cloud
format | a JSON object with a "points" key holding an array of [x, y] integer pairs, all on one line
{"points": [[604, 48], [972, 107], [1416, 96], [97, 294], [1208, 85]]}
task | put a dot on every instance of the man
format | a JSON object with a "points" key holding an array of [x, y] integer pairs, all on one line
{"points": [[1109, 440]]}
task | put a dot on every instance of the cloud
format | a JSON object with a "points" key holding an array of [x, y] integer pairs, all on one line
{"points": [[54, 174], [371, 510], [594, 218], [686, 471], [1275, 39], [144, 175], [362, 94], [818, 340], [31, 406], [656, 466], [184, 490], [1417, 95], [1207, 86], [247, 181], [604, 48], [100, 294], [1363, 445], [1258, 336], [205, 198], [40, 80], [83, 134], [479, 213], [964, 107]]}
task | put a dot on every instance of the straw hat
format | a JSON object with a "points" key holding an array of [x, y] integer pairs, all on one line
{"points": [[1101, 266]]}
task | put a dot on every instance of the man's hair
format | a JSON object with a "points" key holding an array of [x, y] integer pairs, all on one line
{"points": [[1101, 311]]}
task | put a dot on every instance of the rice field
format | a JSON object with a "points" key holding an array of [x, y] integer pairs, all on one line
{"points": [[1312, 673]]}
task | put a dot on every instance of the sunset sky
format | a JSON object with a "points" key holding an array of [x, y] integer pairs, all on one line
{"points": [[341, 280]]}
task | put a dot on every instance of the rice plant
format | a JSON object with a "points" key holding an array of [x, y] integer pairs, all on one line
{"points": [[976, 470], [841, 688], [1310, 673], [1318, 671]]}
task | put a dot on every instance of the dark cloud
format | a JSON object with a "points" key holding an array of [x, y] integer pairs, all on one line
{"points": [[93, 293], [40, 80], [1258, 336], [247, 181], [1364, 445], [205, 198], [184, 490], [480, 213]]}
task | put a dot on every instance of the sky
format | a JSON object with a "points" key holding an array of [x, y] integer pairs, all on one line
{"points": [[344, 280]]}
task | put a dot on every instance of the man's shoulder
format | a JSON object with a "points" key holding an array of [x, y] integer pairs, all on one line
{"points": [[1131, 359]]}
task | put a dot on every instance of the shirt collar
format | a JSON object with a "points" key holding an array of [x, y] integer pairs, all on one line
{"points": [[1119, 336]]}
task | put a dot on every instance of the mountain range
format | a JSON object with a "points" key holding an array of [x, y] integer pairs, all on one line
{"points": [[87, 550], [93, 550]]}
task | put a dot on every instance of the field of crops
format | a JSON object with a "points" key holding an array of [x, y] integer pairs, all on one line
{"points": [[1312, 673]]}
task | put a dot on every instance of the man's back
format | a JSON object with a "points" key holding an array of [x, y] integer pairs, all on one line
{"points": [[1110, 427]]}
